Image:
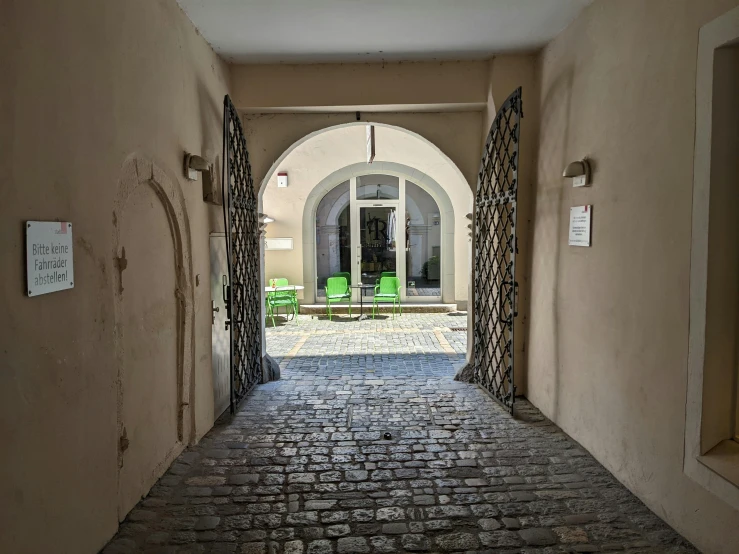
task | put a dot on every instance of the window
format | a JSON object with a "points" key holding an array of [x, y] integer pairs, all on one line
{"points": [[423, 243], [712, 419], [333, 236], [380, 187]]}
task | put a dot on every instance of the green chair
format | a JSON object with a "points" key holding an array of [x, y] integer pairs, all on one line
{"points": [[387, 291], [345, 274], [286, 298], [337, 290]]}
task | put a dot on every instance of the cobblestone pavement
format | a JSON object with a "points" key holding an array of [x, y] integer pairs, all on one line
{"points": [[368, 445]]}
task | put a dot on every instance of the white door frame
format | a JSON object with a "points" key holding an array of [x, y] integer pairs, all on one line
{"points": [[445, 212], [356, 246]]}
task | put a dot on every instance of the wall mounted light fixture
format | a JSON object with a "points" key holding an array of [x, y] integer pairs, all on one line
{"points": [[196, 164], [580, 173]]}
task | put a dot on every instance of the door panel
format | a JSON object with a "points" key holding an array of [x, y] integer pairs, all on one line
{"points": [[245, 292], [495, 255], [378, 234], [220, 346]]}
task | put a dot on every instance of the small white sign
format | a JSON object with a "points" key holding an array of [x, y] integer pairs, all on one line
{"points": [[580, 225], [49, 260], [278, 244]]}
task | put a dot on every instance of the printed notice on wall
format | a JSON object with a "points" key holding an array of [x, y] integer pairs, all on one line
{"points": [[580, 225], [49, 264]]}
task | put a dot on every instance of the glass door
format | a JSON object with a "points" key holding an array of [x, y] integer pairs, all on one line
{"points": [[377, 251], [374, 224]]}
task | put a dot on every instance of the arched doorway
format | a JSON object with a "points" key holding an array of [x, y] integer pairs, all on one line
{"points": [[323, 159], [379, 223]]}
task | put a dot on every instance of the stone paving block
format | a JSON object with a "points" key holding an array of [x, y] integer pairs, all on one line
{"points": [[538, 537], [351, 545]]}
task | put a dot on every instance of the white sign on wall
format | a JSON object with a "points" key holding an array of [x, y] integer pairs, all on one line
{"points": [[278, 244], [49, 261], [580, 225]]}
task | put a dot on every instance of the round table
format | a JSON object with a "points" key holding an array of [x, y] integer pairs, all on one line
{"points": [[288, 287], [362, 288]]}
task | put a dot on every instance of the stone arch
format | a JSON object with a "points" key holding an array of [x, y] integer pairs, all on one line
{"points": [[137, 172], [328, 128]]}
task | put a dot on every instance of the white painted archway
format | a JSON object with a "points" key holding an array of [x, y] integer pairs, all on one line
{"points": [[398, 150], [386, 168]]}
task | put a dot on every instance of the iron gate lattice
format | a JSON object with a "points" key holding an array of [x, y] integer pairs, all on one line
{"points": [[495, 257], [242, 293]]}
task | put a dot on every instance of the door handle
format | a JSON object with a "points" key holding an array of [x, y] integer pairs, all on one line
{"points": [[226, 291], [215, 309]]}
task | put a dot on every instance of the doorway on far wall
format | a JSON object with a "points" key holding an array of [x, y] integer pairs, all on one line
{"points": [[392, 225]]}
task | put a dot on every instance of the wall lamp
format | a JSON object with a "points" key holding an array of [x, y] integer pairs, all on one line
{"points": [[580, 173], [196, 164]]}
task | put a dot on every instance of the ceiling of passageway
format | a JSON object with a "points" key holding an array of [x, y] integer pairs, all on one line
{"points": [[310, 31]]}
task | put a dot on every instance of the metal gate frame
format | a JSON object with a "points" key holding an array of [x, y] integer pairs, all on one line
{"points": [[496, 245], [242, 294]]}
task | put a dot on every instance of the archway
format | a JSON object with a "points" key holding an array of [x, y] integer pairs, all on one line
{"points": [[154, 322], [319, 159]]}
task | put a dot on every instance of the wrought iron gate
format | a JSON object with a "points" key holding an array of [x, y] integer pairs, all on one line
{"points": [[242, 294], [496, 289]]}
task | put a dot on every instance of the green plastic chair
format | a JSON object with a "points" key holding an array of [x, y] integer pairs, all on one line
{"points": [[345, 274], [286, 298], [337, 290], [387, 291]]}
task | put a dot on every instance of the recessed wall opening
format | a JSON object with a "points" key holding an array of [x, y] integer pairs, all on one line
{"points": [[712, 417]]}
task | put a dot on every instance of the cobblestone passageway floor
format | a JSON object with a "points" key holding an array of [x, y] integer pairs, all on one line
{"points": [[366, 444]]}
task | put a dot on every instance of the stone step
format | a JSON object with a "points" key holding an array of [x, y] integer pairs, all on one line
{"points": [[410, 307]]}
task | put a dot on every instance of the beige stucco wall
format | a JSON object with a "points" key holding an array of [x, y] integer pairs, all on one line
{"points": [[608, 344], [416, 86], [325, 153], [85, 85], [456, 134]]}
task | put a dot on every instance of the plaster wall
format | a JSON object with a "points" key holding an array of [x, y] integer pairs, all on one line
{"points": [[322, 155], [270, 135], [87, 85], [608, 341], [368, 86], [441, 101]]}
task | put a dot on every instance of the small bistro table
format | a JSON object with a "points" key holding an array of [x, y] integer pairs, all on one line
{"points": [[362, 288]]}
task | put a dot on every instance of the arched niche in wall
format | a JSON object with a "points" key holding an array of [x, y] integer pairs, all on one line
{"points": [[154, 323]]}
